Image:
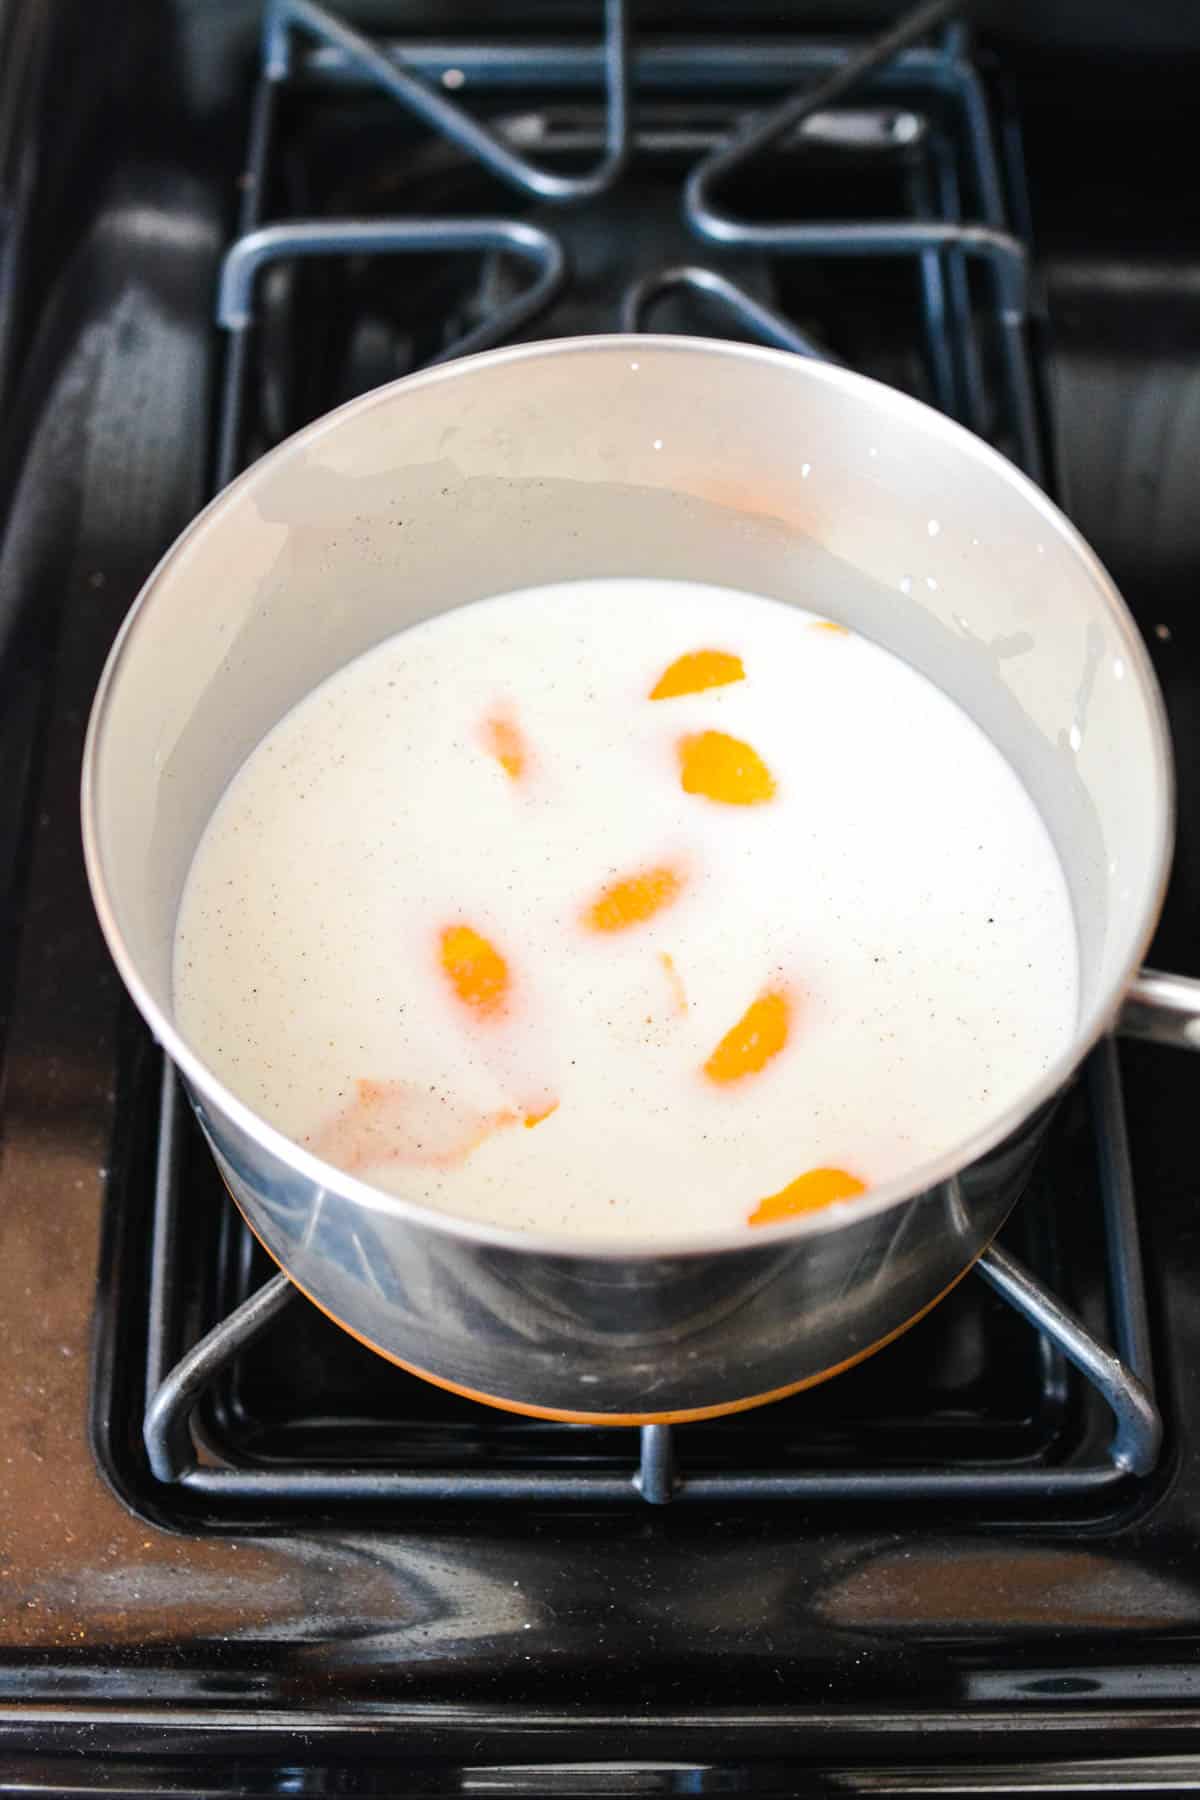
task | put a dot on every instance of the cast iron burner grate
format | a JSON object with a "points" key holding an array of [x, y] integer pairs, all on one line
{"points": [[222, 1397]]}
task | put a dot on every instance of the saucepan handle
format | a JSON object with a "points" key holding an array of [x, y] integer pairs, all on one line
{"points": [[1163, 1008]]}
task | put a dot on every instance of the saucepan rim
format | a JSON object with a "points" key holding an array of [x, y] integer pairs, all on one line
{"points": [[912, 415]]}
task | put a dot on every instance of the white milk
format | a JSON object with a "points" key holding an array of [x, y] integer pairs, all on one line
{"points": [[894, 903]]}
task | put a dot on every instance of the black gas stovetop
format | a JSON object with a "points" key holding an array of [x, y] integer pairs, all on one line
{"points": [[240, 1554]]}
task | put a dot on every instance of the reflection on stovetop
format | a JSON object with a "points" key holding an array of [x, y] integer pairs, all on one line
{"points": [[724, 1642]]}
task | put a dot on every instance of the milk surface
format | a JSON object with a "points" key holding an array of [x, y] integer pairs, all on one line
{"points": [[483, 922]]}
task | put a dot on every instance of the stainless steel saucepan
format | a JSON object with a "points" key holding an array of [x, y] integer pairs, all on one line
{"points": [[636, 456]]}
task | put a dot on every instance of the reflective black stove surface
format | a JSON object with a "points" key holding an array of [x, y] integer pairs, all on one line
{"points": [[253, 1636]]}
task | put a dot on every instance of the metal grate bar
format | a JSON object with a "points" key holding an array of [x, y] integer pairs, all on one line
{"points": [[678, 66], [972, 410], [252, 182], [371, 237], [762, 322], [941, 334], [163, 1347], [297, 1488], [1131, 1325], [394, 77], [655, 1479], [168, 1438], [764, 130], [940, 244], [1138, 1437]]}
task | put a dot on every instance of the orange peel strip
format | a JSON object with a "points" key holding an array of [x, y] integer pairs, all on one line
{"points": [[698, 670], [808, 1193], [398, 1122], [724, 769], [535, 1118], [503, 740], [633, 899], [476, 970], [759, 1035], [678, 991]]}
